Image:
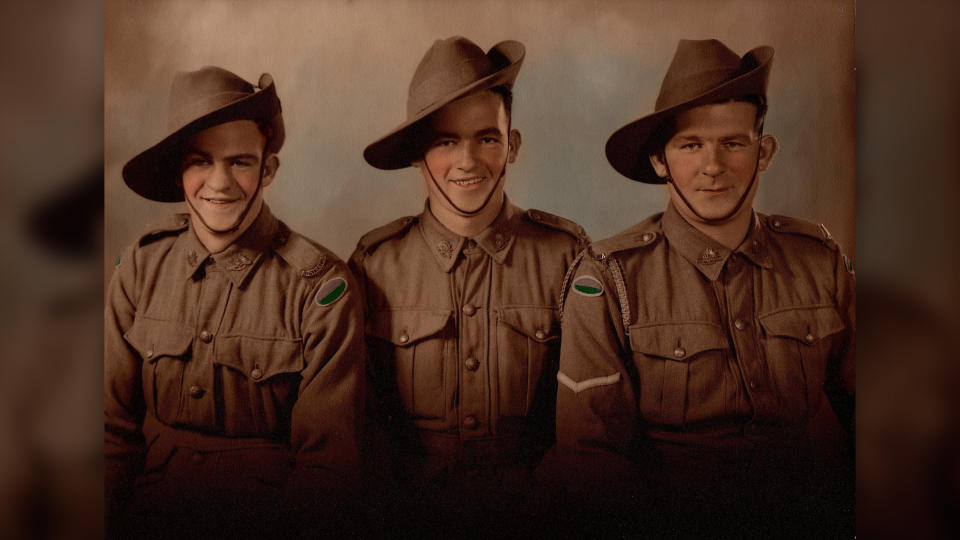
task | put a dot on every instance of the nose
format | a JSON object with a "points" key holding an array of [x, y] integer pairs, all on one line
{"points": [[467, 159], [221, 177], [712, 165]]}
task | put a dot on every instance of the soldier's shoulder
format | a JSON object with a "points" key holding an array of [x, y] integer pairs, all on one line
{"points": [[307, 257], [556, 223], [645, 234], [169, 226], [395, 228], [791, 227]]}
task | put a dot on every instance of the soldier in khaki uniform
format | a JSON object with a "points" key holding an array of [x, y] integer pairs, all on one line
{"points": [[463, 299], [234, 359], [708, 350]]}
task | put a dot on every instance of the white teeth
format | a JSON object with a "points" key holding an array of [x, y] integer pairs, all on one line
{"points": [[468, 182]]}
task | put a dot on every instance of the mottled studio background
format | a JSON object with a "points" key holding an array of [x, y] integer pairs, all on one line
{"points": [[342, 70], [85, 87]]}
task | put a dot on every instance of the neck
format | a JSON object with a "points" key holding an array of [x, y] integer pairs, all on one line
{"points": [[730, 233], [215, 242], [467, 226]]}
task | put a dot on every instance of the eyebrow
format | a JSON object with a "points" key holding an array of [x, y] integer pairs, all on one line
{"points": [[480, 133], [207, 155]]}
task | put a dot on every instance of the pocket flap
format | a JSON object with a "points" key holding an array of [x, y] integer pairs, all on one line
{"points": [[154, 338], [806, 324], [537, 323], [407, 326], [677, 341], [260, 358]]}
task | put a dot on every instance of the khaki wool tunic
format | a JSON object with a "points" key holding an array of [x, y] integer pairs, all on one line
{"points": [[464, 337], [232, 374], [684, 362]]}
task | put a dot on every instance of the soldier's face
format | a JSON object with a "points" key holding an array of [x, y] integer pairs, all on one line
{"points": [[220, 173], [471, 144], [712, 159]]}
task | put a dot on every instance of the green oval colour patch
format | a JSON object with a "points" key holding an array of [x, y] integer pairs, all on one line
{"points": [[331, 291], [588, 286]]}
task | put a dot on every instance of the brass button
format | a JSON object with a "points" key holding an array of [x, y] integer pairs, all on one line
{"points": [[256, 373], [739, 324], [646, 237], [469, 309], [809, 338], [472, 363], [196, 392], [206, 337], [404, 338], [753, 384], [499, 241], [149, 354], [470, 422], [777, 224], [196, 458], [679, 352], [540, 335]]}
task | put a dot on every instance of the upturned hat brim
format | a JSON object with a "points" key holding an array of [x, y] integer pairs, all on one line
{"points": [[627, 148], [399, 148], [154, 173]]}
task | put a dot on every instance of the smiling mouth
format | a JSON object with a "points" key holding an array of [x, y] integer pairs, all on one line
{"points": [[218, 201], [468, 181]]}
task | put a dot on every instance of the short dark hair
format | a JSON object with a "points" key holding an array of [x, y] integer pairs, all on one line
{"points": [[506, 93], [657, 142], [421, 134]]}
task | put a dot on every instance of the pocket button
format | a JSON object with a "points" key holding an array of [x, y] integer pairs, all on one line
{"points": [[256, 373]]}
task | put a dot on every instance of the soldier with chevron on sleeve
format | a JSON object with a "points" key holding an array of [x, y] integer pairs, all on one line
{"points": [[707, 370]]}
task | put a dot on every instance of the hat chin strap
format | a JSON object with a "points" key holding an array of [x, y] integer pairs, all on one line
{"points": [[246, 209], [743, 198], [456, 209]]}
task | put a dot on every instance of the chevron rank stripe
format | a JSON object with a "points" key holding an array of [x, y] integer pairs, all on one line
{"points": [[588, 286], [331, 291]]}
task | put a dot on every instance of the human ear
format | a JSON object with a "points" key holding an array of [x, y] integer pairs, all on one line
{"points": [[513, 145], [270, 167], [659, 165], [768, 148]]}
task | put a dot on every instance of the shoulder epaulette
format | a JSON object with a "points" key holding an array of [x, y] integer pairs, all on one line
{"points": [[790, 225], [167, 225], [558, 223], [643, 234], [307, 256], [380, 234]]}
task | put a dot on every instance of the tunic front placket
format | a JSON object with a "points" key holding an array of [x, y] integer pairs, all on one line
{"points": [[471, 285]]}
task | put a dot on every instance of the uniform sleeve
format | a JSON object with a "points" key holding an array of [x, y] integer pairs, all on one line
{"points": [[596, 406], [123, 405], [326, 422], [841, 384]]}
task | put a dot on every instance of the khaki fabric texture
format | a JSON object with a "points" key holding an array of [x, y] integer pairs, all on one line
{"points": [[223, 374], [698, 362], [464, 338]]}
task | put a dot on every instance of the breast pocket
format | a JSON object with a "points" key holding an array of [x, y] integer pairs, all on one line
{"points": [[164, 347], [411, 347], [798, 348], [684, 376], [258, 380], [528, 345]]}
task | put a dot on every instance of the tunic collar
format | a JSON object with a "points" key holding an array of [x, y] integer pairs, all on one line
{"points": [[239, 259], [705, 253], [496, 240]]}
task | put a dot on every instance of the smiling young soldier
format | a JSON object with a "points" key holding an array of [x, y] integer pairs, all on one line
{"points": [[234, 355], [463, 299], [708, 350]]}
